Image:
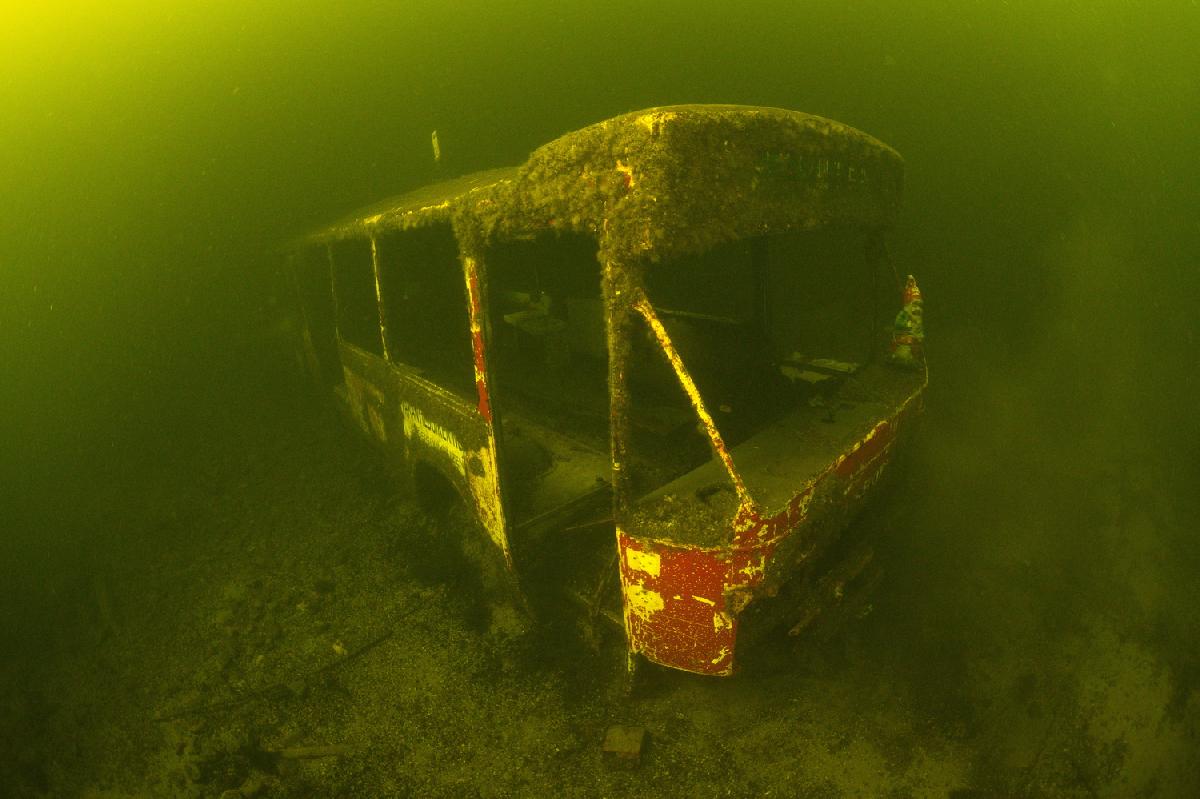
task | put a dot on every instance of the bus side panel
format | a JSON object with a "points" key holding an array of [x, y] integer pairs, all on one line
{"points": [[424, 426]]}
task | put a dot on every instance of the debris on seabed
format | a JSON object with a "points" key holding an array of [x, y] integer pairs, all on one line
{"points": [[623, 745]]}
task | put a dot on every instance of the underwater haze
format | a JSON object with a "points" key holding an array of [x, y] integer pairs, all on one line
{"points": [[208, 589]]}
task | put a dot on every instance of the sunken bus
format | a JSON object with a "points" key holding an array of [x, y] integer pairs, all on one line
{"points": [[662, 364]]}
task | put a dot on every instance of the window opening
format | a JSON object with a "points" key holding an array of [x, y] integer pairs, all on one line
{"points": [[354, 290], [775, 334], [682, 490], [548, 348], [747, 317], [425, 301], [549, 359]]}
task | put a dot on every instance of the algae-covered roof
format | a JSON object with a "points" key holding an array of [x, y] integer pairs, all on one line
{"points": [[668, 181], [676, 179]]}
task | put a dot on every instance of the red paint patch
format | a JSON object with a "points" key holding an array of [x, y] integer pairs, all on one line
{"points": [[881, 436], [688, 632], [484, 406]]}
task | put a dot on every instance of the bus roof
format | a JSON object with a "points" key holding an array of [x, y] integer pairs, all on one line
{"points": [[666, 181], [411, 209]]}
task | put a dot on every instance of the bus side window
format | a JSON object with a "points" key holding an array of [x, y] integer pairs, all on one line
{"points": [[354, 291], [425, 303]]}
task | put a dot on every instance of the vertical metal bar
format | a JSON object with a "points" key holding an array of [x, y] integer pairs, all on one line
{"points": [[643, 306], [379, 306], [496, 522], [615, 282]]}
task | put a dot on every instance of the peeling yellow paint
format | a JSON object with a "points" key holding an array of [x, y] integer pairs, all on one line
{"points": [[433, 435], [705, 600], [647, 562], [627, 171], [654, 121], [642, 601], [722, 621], [484, 486], [751, 573], [437, 207]]}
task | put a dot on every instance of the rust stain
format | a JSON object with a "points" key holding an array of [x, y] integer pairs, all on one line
{"points": [[477, 344]]}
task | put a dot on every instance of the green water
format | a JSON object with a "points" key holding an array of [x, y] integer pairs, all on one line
{"points": [[174, 508]]}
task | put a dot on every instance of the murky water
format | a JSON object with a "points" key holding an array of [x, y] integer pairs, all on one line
{"points": [[208, 585]]}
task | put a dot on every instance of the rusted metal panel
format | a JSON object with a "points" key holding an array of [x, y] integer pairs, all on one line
{"points": [[682, 602], [675, 610], [422, 422]]}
